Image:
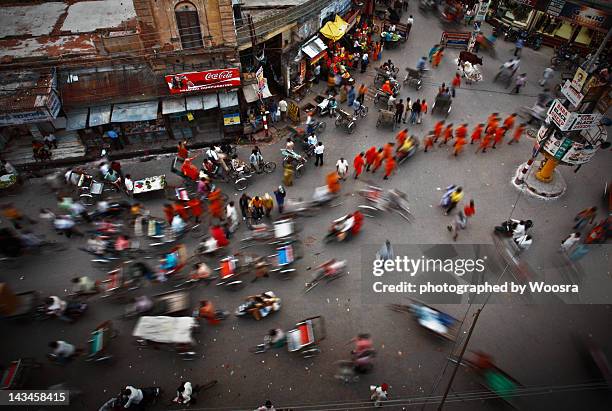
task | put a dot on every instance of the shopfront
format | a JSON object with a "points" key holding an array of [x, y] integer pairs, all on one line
{"points": [[557, 21]]}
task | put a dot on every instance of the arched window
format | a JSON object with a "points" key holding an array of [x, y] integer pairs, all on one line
{"points": [[188, 25]]}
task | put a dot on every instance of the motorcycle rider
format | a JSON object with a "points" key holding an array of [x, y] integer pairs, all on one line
{"points": [[133, 394], [349, 223], [60, 308]]}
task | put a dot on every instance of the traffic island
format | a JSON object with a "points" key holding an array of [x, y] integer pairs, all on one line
{"points": [[528, 180]]}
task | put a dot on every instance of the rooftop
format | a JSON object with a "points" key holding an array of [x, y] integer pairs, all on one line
{"points": [[24, 90]]}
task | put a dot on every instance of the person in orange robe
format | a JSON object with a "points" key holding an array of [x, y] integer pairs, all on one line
{"points": [[333, 182], [448, 134], [389, 167], [370, 156], [380, 156], [477, 133], [358, 163], [437, 131], [518, 132]]}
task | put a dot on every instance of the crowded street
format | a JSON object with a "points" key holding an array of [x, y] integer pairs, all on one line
{"points": [[280, 257]]}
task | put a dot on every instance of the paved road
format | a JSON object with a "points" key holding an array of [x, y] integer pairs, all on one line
{"points": [[531, 342]]}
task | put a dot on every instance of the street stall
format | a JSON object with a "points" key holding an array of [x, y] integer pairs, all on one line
{"points": [[149, 184], [339, 58], [139, 122], [256, 102]]}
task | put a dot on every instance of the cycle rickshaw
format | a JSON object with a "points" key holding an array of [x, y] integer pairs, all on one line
{"points": [[169, 333], [306, 336]]}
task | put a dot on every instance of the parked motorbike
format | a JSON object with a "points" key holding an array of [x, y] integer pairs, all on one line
{"points": [[513, 227], [565, 56]]}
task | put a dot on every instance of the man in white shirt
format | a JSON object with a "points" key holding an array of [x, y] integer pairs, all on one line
{"points": [[178, 225], [319, 149], [232, 217], [310, 123], [342, 168], [8, 167], [62, 350], [391, 103], [134, 395], [129, 184], [56, 306], [312, 140], [570, 241], [282, 105], [184, 393]]}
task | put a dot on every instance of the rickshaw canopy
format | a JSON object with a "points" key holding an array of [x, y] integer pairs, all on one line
{"points": [[334, 30]]}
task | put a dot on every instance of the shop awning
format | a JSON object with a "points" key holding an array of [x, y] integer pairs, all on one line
{"points": [[77, 119], [250, 92], [174, 105], [194, 103], [143, 111], [334, 30], [315, 47], [99, 115], [210, 101], [228, 99]]}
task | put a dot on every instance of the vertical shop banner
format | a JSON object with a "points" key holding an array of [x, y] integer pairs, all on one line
{"points": [[302, 71], [203, 80], [483, 8], [261, 80]]}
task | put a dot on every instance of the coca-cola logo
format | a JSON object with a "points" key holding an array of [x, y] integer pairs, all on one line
{"points": [[219, 75]]}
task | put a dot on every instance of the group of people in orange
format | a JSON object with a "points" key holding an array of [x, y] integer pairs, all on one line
{"points": [[494, 131]]}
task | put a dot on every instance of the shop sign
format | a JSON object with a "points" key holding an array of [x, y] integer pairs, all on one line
{"points": [[302, 71], [559, 115], [585, 16], [555, 7], [25, 117], [585, 121], [579, 79], [293, 111], [574, 97], [483, 8], [563, 148], [231, 119], [203, 80]]}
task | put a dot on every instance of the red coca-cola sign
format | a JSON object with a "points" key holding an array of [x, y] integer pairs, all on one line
{"points": [[203, 80]]}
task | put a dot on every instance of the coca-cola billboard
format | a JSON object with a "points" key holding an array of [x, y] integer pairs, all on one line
{"points": [[203, 80]]}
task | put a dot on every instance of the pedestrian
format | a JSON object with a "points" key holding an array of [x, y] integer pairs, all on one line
{"points": [[455, 84], [461, 131], [477, 133], [378, 394], [7, 168], [400, 137], [432, 51], [388, 150], [492, 121], [289, 145], [63, 351], [459, 143], [195, 208], [455, 197], [518, 46], [509, 121], [280, 195], [448, 134], [437, 131], [370, 156], [429, 141], [168, 212], [399, 110], [500, 132], [333, 182], [424, 109], [244, 201], [181, 150], [568, 242], [405, 5], [391, 102], [266, 407], [50, 141], [116, 143], [282, 105], [288, 175], [587, 215], [520, 81], [484, 144], [386, 252], [66, 225], [409, 23], [459, 223], [408, 110], [274, 113], [268, 204], [363, 90], [380, 156], [180, 210], [319, 149], [365, 60], [470, 209], [215, 204], [342, 168], [518, 132], [416, 111], [15, 216], [437, 57], [351, 96], [389, 167], [358, 164], [232, 217], [548, 73]]}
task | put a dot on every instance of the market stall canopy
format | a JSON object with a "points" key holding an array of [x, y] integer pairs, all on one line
{"points": [[173, 105], [99, 115], [143, 111], [77, 119], [334, 30], [228, 99], [314, 47], [250, 92]]}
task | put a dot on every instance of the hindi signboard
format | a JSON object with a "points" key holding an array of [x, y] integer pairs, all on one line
{"points": [[579, 79], [559, 115], [574, 97], [585, 121]]}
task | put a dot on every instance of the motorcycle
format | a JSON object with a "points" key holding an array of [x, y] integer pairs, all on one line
{"points": [[259, 306], [74, 310], [565, 56]]}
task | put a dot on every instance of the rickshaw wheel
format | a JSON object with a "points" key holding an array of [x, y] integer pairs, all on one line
{"points": [[298, 170], [378, 123], [350, 128], [269, 167], [338, 121], [322, 126], [311, 352], [240, 184]]}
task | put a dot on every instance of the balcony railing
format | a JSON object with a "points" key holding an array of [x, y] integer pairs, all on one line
{"points": [[278, 20]]}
